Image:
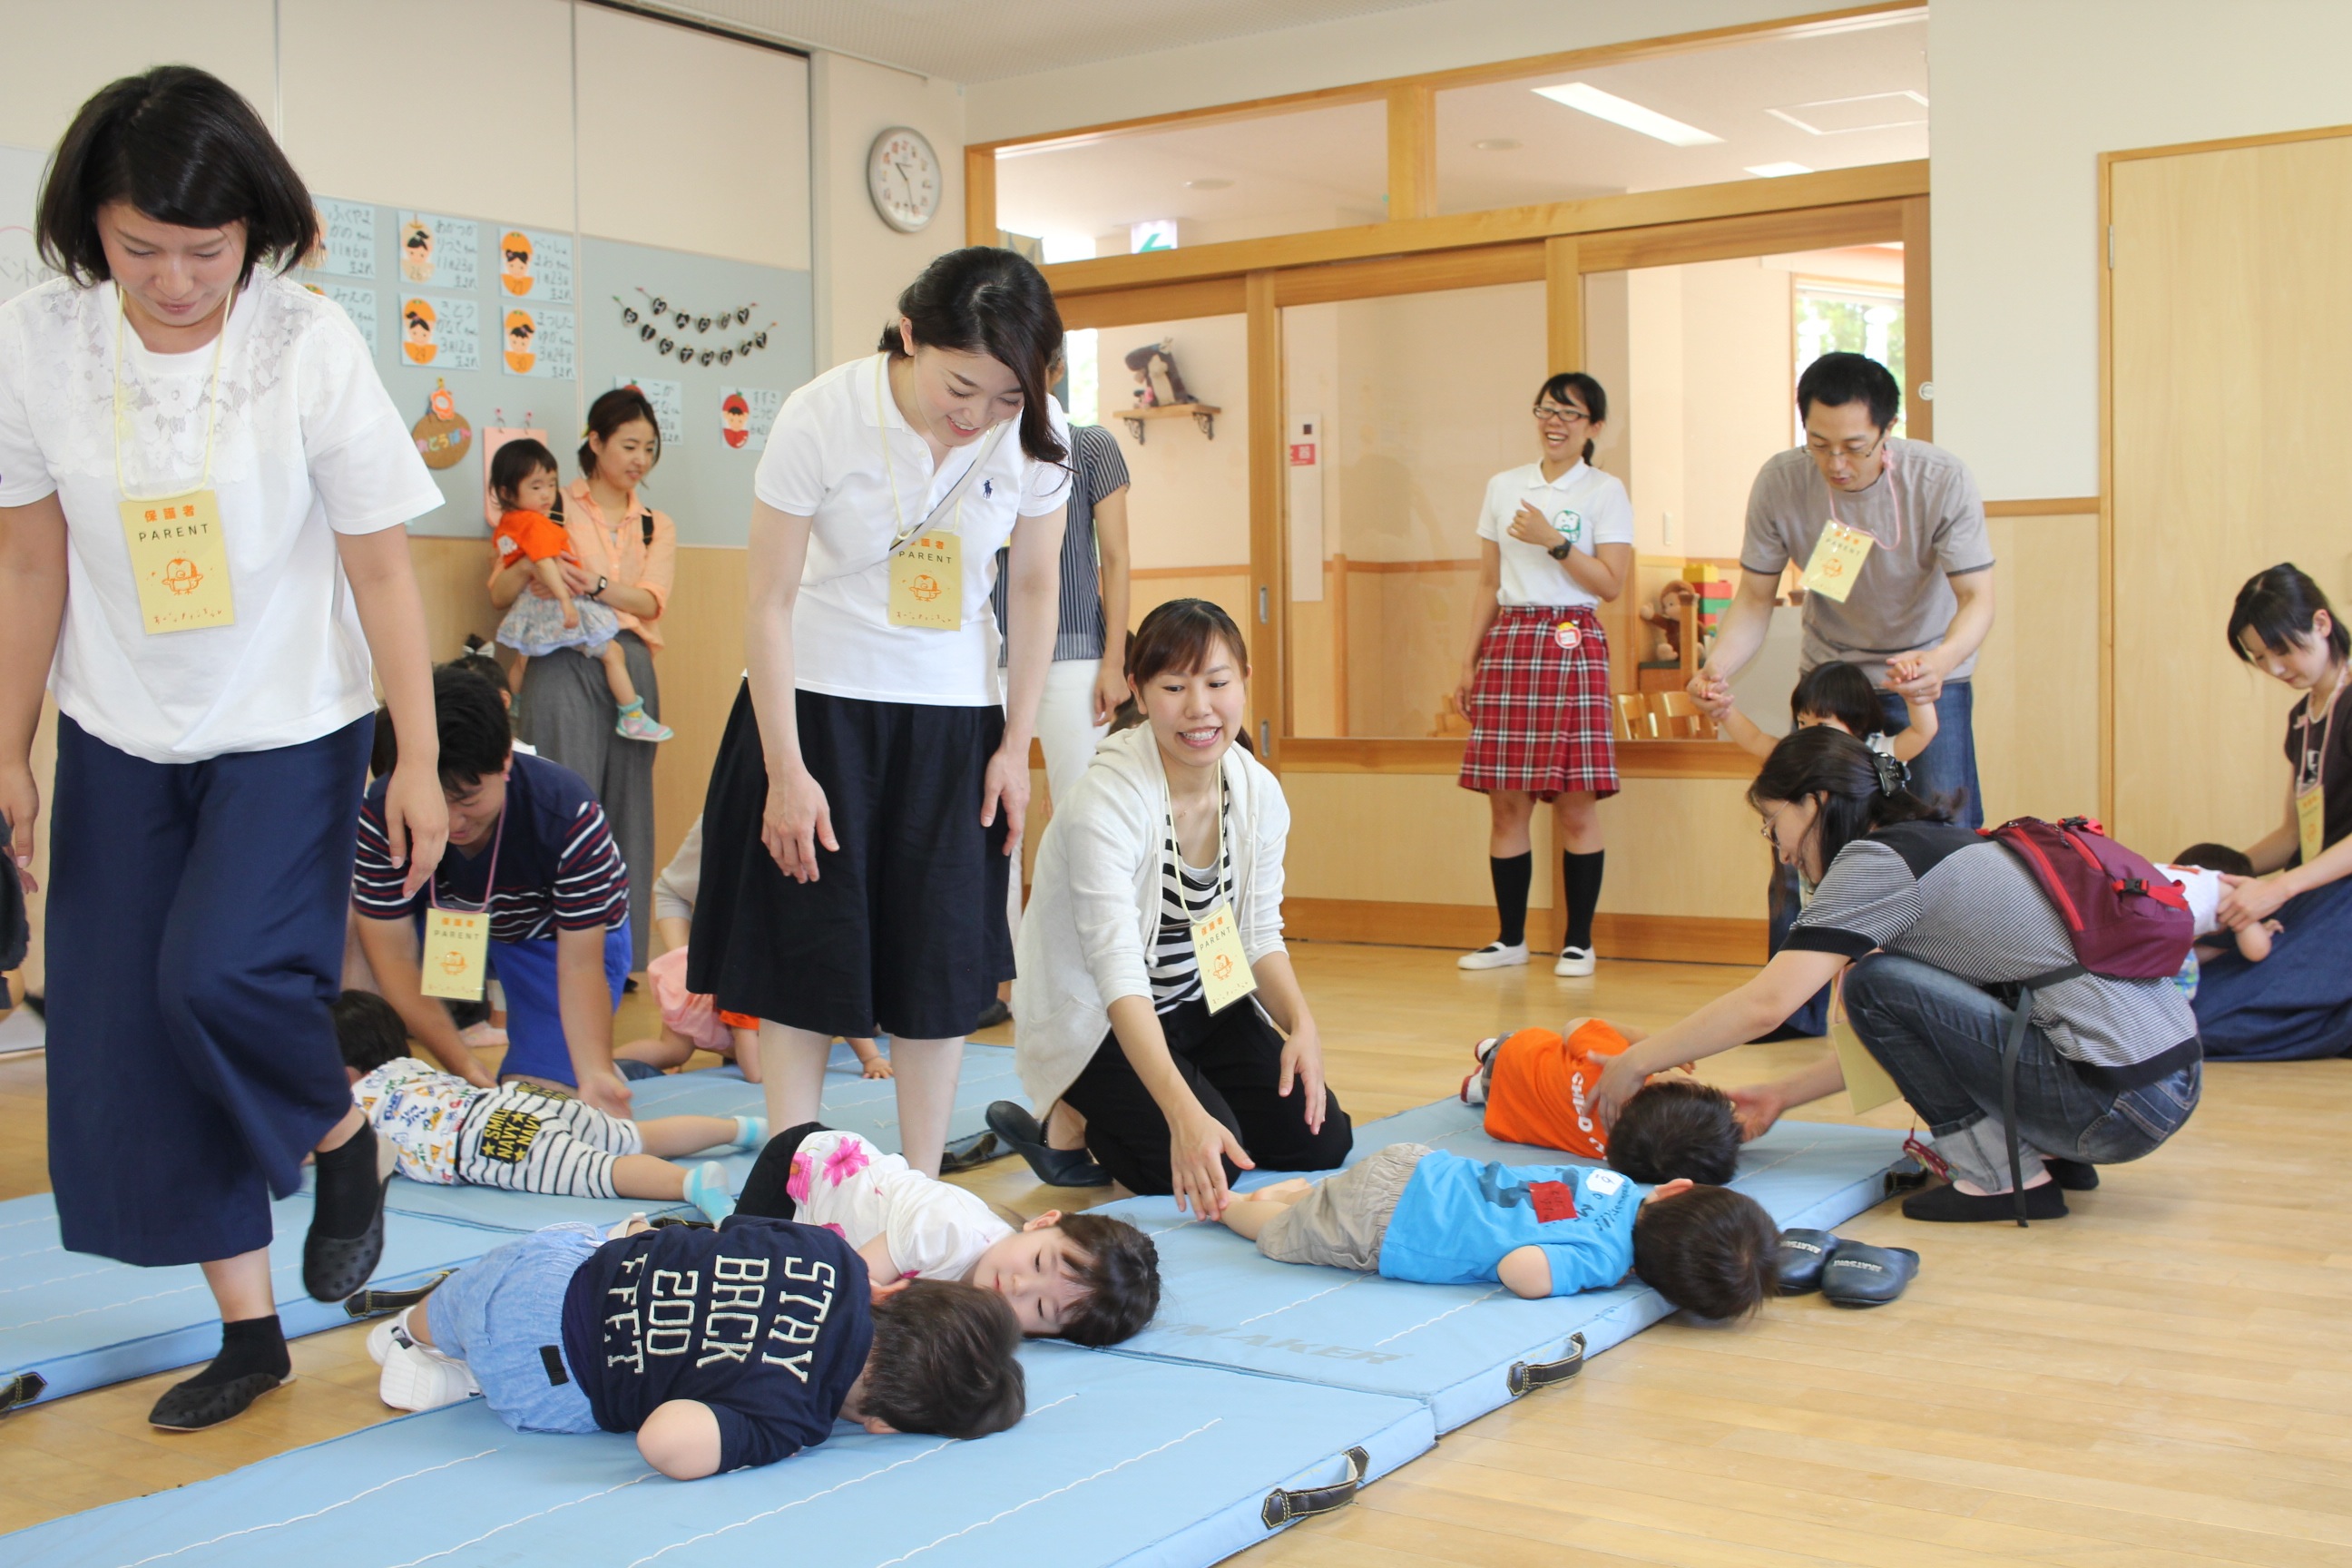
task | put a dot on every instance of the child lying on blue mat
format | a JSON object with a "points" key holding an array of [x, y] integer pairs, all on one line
{"points": [[518, 1136], [1082, 1276], [718, 1348], [1537, 1087], [1411, 1212]]}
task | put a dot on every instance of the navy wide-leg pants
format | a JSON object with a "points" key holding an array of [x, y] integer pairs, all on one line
{"points": [[195, 938]]}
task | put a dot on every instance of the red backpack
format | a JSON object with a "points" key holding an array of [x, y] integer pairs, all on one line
{"points": [[2127, 921]]}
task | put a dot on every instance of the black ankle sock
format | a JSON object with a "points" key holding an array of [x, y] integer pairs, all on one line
{"points": [[1582, 873], [344, 1196], [1512, 873], [247, 1346]]}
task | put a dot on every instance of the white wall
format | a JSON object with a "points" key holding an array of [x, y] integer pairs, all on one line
{"points": [[1190, 506], [2026, 95], [861, 262]]}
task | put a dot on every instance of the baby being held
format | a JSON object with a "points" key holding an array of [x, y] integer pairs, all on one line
{"points": [[2203, 874]]}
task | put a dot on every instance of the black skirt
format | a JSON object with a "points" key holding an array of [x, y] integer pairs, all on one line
{"points": [[904, 928]]}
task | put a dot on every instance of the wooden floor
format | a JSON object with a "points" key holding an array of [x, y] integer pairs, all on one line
{"points": [[2164, 1378]]}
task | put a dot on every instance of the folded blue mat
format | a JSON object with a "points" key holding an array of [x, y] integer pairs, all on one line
{"points": [[1454, 1347], [79, 1322], [1120, 1460], [852, 1102]]}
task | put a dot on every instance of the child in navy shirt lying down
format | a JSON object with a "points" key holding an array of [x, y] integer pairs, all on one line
{"points": [[718, 1348], [1410, 1212]]}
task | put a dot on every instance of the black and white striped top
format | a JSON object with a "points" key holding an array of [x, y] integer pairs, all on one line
{"points": [[1945, 896], [1094, 455], [1186, 894]]}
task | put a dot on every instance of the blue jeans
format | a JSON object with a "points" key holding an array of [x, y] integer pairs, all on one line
{"points": [[1940, 1037], [1812, 1020], [1948, 765], [501, 1314], [526, 971], [2295, 1005]]}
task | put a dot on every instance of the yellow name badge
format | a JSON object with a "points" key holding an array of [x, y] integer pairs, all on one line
{"points": [[2311, 822], [456, 954], [1837, 561], [1226, 976], [180, 562], [926, 584]]}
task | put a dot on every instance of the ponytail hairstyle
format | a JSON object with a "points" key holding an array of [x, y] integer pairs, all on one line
{"points": [[983, 300], [1840, 691], [2281, 607], [621, 406], [1579, 390], [1860, 791]]}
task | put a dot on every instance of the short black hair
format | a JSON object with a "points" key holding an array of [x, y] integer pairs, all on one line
{"points": [[516, 462], [367, 1031], [1709, 1250], [185, 149], [1841, 691], [2216, 858], [1677, 1127], [2280, 605], [1835, 379], [623, 405], [477, 660], [1180, 635], [945, 1361], [1576, 389], [476, 738], [1120, 1271]]}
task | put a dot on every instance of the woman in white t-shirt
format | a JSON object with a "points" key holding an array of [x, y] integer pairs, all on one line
{"points": [[1555, 539], [202, 486], [869, 791]]}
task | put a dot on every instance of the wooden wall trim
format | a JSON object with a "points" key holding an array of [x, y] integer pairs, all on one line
{"points": [[1349, 563], [1413, 151], [1919, 319], [980, 198], [2224, 144], [1158, 302], [1685, 759], [1269, 549], [1477, 267], [1762, 232], [1669, 939], [2057, 506], [1233, 569]]}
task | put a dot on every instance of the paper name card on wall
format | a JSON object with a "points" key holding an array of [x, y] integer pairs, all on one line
{"points": [[668, 399], [746, 415], [535, 264], [346, 238], [441, 331], [359, 304], [442, 252], [537, 343]]}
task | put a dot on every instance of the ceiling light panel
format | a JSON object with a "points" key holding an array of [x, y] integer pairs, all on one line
{"points": [[1842, 116], [1590, 99], [1778, 171]]}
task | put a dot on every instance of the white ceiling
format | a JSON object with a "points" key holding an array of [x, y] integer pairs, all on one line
{"points": [[986, 40], [1323, 168]]}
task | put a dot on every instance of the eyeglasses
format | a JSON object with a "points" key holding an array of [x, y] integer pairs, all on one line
{"points": [[1771, 819], [1821, 450], [1546, 413]]}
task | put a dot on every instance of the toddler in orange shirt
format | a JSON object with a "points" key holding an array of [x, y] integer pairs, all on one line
{"points": [[526, 482], [1537, 1087]]}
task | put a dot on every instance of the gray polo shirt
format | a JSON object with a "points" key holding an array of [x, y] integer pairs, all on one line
{"points": [[1901, 601]]}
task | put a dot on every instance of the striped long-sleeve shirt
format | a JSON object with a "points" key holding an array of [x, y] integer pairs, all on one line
{"points": [[558, 867]]}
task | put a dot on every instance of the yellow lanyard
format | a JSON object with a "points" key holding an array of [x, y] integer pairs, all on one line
{"points": [[212, 400]]}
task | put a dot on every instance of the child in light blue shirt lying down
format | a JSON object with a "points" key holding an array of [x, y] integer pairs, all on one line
{"points": [[1411, 1212]]}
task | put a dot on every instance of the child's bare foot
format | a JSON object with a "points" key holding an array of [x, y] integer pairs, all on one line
{"points": [[2254, 941]]}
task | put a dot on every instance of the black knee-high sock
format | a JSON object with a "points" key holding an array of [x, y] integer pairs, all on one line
{"points": [[1512, 874], [247, 1346], [1583, 874]]}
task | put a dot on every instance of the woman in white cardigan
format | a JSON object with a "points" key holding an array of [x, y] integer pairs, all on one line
{"points": [[1158, 1014]]}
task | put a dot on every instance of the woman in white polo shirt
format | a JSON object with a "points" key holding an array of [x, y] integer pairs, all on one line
{"points": [[1555, 539], [869, 791], [202, 492]]}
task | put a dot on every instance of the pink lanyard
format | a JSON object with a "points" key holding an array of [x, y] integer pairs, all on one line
{"points": [[489, 883], [1886, 471]]}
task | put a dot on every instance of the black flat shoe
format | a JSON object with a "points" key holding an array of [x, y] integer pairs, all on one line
{"points": [[1055, 1167], [971, 1153], [1803, 1253], [187, 1408], [1953, 1206], [335, 1267], [995, 1012], [2074, 1175]]}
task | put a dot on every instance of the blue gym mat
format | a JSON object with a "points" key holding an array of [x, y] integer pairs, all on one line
{"points": [[79, 1322], [1120, 1460], [852, 1102], [1460, 1349]]}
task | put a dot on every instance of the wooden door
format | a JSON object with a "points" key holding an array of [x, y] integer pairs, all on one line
{"points": [[2230, 390]]}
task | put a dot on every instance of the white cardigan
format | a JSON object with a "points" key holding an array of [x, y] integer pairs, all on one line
{"points": [[1094, 907]]}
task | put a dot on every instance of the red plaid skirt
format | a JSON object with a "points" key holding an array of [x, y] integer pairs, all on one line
{"points": [[1541, 713]]}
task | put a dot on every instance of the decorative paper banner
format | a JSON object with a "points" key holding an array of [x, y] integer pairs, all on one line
{"points": [[746, 415], [359, 304], [347, 238], [438, 250], [536, 265], [443, 436], [668, 399], [533, 342], [442, 331]]}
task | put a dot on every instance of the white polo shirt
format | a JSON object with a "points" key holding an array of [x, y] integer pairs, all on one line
{"points": [[826, 460], [307, 446], [1583, 503]]}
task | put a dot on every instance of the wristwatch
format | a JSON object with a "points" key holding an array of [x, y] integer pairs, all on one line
{"points": [[597, 591], [1562, 551]]}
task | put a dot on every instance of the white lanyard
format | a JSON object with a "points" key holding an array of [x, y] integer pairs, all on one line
{"points": [[904, 530], [212, 399], [1886, 471]]}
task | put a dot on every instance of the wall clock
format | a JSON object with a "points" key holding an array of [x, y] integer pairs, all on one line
{"points": [[902, 176]]}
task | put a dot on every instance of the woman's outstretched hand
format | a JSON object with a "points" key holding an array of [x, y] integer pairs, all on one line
{"points": [[1620, 1080], [797, 820], [1198, 1148], [1756, 1106]]}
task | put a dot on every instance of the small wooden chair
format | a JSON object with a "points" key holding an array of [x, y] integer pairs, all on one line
{"points": [[1673, 714], [1634, 719]]}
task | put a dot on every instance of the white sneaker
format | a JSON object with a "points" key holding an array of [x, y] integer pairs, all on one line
{"points": [[1494, 955], [1574, 963], [415, 1376]]}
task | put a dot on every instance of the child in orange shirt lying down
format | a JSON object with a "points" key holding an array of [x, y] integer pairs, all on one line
{"points": [[1537, 1087]]}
